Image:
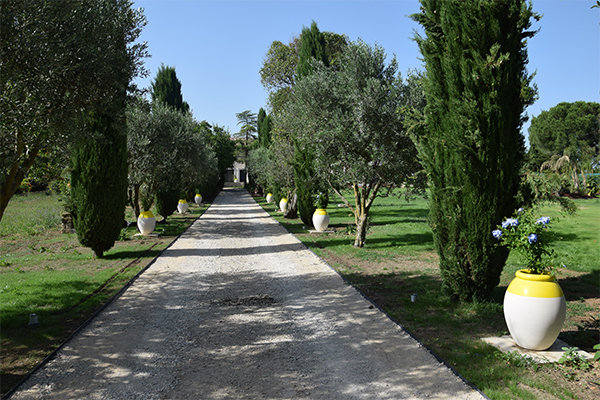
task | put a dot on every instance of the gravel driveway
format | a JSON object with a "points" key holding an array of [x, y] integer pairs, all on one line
{"points": [[238, 308]]}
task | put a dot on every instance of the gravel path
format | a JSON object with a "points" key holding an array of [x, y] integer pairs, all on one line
{"points": [[238, 308]]}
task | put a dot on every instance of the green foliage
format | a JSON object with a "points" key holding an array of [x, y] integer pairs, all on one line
{"points": [[48, 85], [166, 201], [571, 129], [528, 235], [99, 184], [321, 200], [166, 89], [477, 88], [264, 128], [278, 73], [304, 179], [537, 188], [573, 359], [168, 150], [313, 47], [351, 121]]}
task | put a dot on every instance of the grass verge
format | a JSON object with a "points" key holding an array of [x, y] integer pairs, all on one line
{"points": [[50, 274], [399, 259]]}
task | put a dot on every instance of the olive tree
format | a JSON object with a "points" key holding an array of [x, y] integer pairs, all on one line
{"points": [[352, 122], [60, 60], [167, 153]]}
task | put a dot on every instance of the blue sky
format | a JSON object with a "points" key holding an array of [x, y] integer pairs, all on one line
{"points": [[217, 47]]}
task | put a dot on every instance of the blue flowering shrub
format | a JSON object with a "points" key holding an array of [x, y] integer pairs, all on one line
{"points": [[529, 235], [321, 199]]}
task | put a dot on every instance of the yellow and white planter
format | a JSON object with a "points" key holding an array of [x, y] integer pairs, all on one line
{"points": [[534, 310], [269, 197], [320, 219], [146, 222], [198, 199], [182, 206], [283, 204]]}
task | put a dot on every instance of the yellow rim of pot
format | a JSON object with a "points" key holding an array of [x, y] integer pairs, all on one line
{"points": [[146, 214], [534, 285], [284, 200], [182, 201], [320, 211]]}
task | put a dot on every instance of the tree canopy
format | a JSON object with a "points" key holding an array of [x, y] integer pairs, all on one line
{"points": [[167, 152], [60, 59], [279, 70], [567, 129], [166, 88], [351, 121]]}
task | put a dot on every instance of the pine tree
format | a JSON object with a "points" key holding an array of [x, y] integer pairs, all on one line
{"points": [[477, 88], [99, 184]]}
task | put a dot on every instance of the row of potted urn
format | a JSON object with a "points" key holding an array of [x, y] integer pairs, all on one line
{"points": [[320, 218], [146, 221]]}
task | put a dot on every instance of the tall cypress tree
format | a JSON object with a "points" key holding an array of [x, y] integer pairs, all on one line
{"points": [[477, 88], [99, 183], [264, 128], [313, 47], [166, 89]]}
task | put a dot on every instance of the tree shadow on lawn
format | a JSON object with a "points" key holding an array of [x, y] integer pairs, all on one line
{"points": [[409, 239], [584, 286], [132, 254]]}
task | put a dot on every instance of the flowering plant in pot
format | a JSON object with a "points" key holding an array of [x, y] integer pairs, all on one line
{"points": [[534, 304], [529, 235], [321, 200]]}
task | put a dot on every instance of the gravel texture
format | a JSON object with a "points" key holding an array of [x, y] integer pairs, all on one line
{"points": [[239, 308]]}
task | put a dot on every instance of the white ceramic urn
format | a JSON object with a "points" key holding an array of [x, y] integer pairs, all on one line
{"points": [[534, 310], [269, 197], [146, 222], [198, 199], [182, 206], [283, 204], [320, 219]]}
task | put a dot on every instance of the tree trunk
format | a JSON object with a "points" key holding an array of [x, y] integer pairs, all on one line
{"points": [[135, 199], [362, 227], [17, 172], [292, 209]]}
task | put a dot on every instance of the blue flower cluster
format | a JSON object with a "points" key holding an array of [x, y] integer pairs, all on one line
{"points": [[543, 220], [532, 238], [528, 235], [510, 222]]}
